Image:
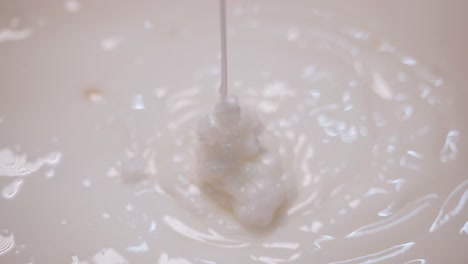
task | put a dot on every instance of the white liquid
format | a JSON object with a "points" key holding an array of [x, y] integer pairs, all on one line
{"points": [[374, 139]]}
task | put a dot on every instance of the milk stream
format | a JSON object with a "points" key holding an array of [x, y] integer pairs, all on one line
{"points": [[233, 167], [224, 64]]}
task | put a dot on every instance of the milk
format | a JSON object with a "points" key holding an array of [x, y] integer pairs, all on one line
{"points": [[371, 135]]}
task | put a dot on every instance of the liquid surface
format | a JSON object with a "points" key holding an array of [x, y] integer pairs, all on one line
{"points": [[99, 105]]}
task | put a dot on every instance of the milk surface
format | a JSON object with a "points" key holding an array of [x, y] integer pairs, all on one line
{"points": [[99, 109]]}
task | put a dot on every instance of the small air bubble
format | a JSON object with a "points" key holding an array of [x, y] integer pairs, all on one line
{"points": [[148, 24], [72, 6], [49, 173], [110, 43], [86, 183], [138, 103]]}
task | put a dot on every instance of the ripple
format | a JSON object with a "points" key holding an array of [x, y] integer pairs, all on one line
{"points": [[140, 248], [11, 190], [450, 150], [7, 242], [416, 261], [464, 229], [268, 259], [212, 238], [452, 206], [281, 245], [379, 256], [164, 259], [406, 213], [14, 165]]}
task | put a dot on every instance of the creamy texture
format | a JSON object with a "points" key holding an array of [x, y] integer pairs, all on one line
{"points": [[235, 169], [99, 106]]}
